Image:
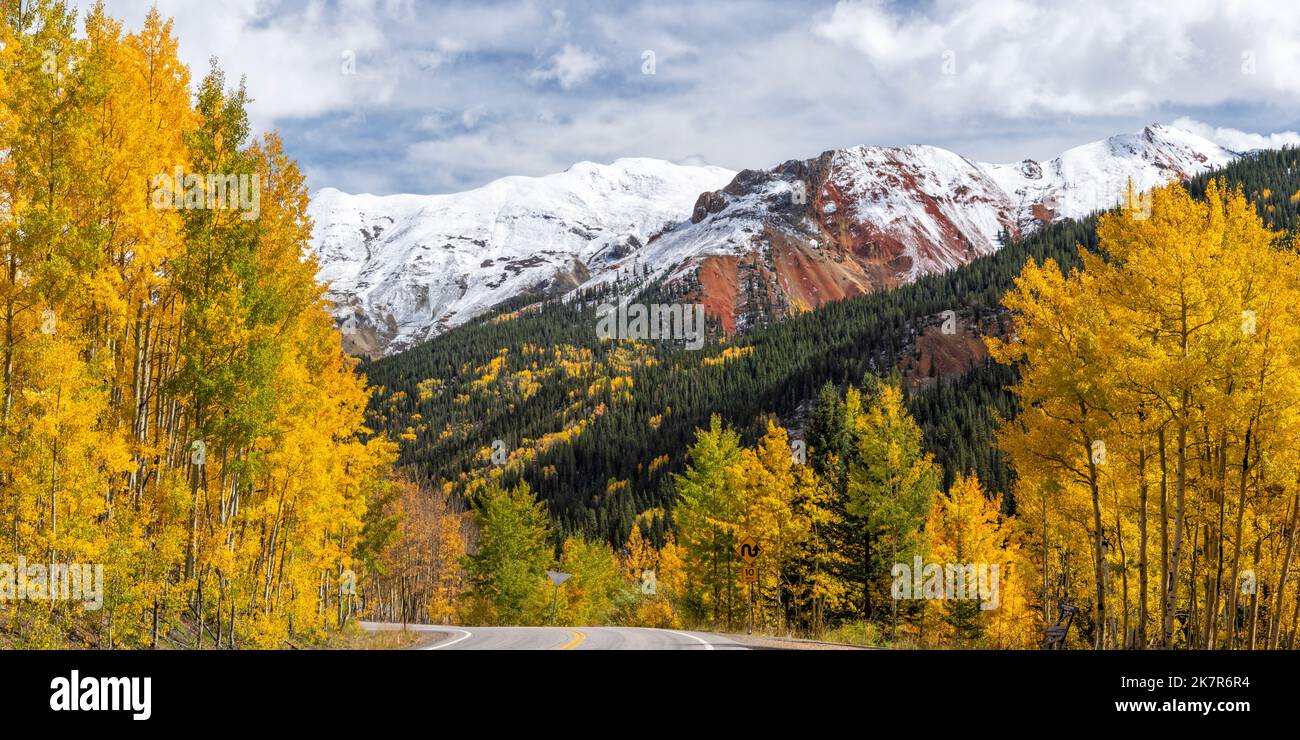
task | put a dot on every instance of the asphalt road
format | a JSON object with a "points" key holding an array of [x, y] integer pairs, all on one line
{"points": [[565, 638]]}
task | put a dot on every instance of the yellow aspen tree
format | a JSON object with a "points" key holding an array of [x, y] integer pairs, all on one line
{"points": [[966, 534], [768, 492], [1174, 349], [1066, 419]]}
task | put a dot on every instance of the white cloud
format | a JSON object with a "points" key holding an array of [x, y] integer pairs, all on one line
{"points": [[449, 94], [1103, 57], [1238, 141], [570, 67], [293, 57], [472, 116]]}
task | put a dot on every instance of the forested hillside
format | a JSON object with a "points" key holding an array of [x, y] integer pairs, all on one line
{"points": [[1124, 460], [596, 428]]}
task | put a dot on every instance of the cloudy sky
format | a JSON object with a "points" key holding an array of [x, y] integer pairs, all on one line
{"points": [[432, 96]]}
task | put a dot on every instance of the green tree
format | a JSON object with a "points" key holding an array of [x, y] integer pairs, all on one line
{"points": [[507, 572], [828, 435], [708, 515], [892, 481], [597, 589]]}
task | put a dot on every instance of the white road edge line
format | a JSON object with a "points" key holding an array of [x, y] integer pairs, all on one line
{"points": [[707, 645], [465, 635]]}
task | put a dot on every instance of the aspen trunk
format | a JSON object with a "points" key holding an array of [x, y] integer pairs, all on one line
{"points": [[1254, 594], [10, 316], [1275, 619], [1098, 554], [1236, 548], [1166, 620], [1193, 631], [1175, 558], [1215, 578], [1123, 577], [1141, 638]]}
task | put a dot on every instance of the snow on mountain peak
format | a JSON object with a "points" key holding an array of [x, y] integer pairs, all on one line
{"points": [[402, 268], [1093, 176]]}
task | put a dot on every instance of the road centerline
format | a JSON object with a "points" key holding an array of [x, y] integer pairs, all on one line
{"points": [[578, 639]]}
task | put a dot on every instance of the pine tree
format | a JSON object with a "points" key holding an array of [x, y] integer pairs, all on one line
{"points": [[892, 481]]}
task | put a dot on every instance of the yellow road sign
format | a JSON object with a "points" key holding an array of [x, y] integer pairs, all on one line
{"points": [[749, 549]]}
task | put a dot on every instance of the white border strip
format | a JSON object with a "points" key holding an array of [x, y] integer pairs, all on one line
{"points": [[707, 645], [464, 635]]}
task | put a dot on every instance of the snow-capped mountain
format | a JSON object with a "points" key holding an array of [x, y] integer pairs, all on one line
{"points": [[1093, 176], [402, 268], [848, 222], [868, 218]]}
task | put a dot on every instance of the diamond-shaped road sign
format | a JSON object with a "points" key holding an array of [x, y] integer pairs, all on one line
{"points": [[748, 549], [557, 578]]}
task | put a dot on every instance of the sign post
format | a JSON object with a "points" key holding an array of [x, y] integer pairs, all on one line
{"points": [[749, 550], [556, 578]]}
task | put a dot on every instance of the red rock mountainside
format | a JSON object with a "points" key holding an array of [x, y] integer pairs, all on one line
{"points": [[767, 244], [792, 238]]}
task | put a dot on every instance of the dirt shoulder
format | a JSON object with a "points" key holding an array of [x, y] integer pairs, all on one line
{"points": [[382, 639], [768, 642]]}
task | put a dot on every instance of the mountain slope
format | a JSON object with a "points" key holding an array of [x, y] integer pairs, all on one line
{"points": [[851, 221], [598, 428], [404, 267], [756, 245], [856, 220], [1093, 176]]}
